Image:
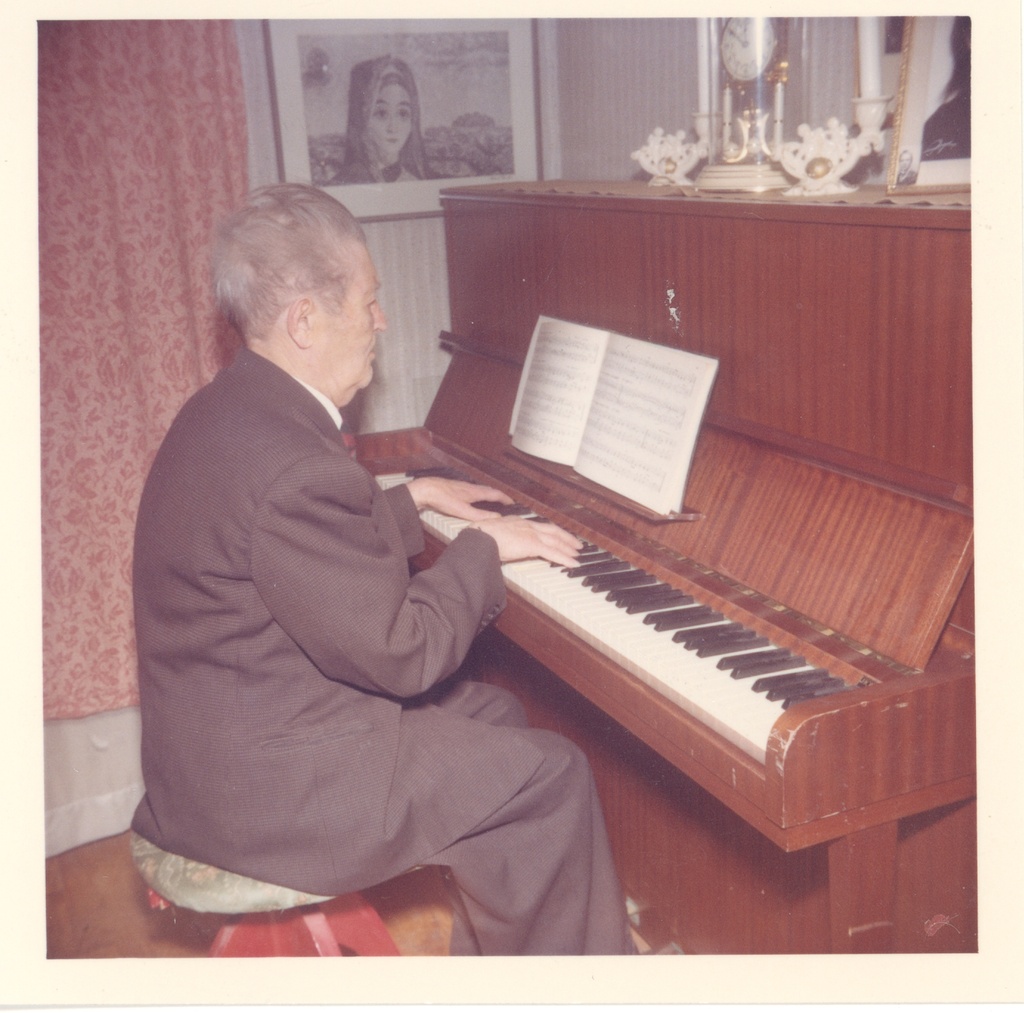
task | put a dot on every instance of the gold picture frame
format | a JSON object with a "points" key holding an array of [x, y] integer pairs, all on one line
{"points": [[932, 126]]}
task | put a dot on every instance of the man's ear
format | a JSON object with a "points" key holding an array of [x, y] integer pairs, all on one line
{"points": [[299, 321]]}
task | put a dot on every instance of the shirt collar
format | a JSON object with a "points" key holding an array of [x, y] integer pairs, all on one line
{"points": [[332, 409]]}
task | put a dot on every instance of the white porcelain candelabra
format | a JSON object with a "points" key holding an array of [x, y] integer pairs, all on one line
{"points": [[670, 157], [817, 162], [752, 157], [824, 155]]}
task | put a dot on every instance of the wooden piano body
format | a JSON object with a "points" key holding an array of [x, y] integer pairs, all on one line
{"points": [[833, 479]]}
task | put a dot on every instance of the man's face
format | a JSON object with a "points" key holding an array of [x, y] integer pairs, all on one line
{"points": [[347, 335]]}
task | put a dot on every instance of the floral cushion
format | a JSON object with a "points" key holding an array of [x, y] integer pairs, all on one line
{"points": [[200, 887]]}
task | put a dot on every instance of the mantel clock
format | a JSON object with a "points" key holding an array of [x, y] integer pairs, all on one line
{"points": [[754, 64]]}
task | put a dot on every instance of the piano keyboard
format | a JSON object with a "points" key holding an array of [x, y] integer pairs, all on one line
{"points": [[725, 675]]}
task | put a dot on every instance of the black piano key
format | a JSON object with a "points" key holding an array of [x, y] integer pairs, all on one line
{"points": [[767, 667], [720, 636], [808, 677], [629, 592], [742, 660], [505, 509], [716, 634], [658, 602], [680, 627], [628, 595], [715, 649], [604, 566], [802, 689], [684, 629], [821, 691], [601, 582], [688, 610], [593, 554], [681, 620]]}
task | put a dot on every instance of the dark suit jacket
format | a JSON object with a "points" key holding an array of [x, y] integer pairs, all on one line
{"points": [[282, 645]]}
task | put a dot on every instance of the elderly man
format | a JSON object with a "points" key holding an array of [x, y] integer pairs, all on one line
{"points": [[299, 723]]}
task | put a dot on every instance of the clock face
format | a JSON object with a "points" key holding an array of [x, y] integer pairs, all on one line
{"points": [[748, 45]]}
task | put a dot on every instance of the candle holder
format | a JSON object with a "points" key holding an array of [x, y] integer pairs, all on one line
{"points": [[670, 157], [824, 155]]}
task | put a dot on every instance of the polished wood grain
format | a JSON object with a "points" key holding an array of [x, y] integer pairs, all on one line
{"points": [[728, 855], [844, 330], [831, 490], [711, 883]]}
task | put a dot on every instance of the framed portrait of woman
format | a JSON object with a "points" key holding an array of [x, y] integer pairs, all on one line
{"points": [[383, 114], [931, 147]]}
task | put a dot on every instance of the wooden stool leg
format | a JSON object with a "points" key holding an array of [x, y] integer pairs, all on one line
{"points": [[293, 933], [324, 939], [345, 926], [358, 928]]}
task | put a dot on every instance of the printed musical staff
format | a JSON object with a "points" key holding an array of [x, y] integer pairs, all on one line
{"points": [[623, 412]]}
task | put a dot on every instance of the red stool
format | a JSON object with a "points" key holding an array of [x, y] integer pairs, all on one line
{"points": [[266, 920]]}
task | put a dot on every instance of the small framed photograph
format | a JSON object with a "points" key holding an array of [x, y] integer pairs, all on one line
{"points": [[383, 114], [931, 148]]}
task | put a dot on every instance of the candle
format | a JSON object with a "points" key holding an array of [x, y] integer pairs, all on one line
{"points": [[703, 62], [870, 49], [778, 119]]}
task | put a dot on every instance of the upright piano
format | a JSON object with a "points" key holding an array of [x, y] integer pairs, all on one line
{"points": [[831, 519]]}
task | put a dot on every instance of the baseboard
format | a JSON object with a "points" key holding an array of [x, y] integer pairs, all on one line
{"points": [[93, 777]]}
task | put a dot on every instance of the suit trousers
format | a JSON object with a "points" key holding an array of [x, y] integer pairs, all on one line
{"points": [[537, 876]]}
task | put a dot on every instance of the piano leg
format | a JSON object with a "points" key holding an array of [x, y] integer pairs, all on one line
{"points": [[862, 890]]}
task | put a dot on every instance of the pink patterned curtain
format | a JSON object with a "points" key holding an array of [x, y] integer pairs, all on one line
{"points": [[142, 147]]}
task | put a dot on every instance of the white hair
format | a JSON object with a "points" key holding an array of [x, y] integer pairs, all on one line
{"points": [[288, 239]]}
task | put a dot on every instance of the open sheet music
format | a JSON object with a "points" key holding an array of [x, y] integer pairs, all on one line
{"points": [[622, 412]]}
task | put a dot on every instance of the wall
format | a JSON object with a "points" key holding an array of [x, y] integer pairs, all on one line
{"points": [[605, 84], [620, 78]]}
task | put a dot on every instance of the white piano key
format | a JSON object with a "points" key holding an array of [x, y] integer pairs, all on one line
{"points": [[697, 685]]}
